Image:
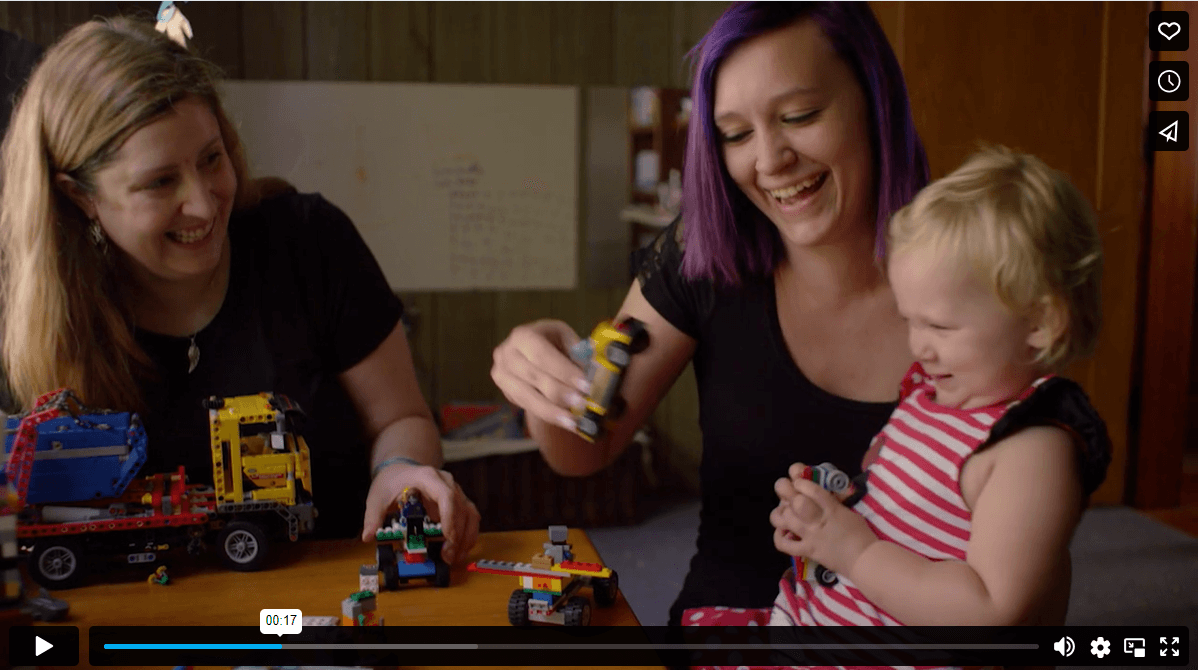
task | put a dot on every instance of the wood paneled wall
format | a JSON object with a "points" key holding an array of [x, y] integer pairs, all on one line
{"points": [[1166, 345], [1064, 81], [1061, 80]]}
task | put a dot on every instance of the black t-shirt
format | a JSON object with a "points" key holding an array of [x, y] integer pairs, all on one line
{"points": [[758, 414], [306, 301]]}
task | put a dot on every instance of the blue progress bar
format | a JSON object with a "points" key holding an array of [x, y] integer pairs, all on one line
{"points": [[193, 646]]}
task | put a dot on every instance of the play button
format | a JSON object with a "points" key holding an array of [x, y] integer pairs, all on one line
{"points": [[42, 646]]}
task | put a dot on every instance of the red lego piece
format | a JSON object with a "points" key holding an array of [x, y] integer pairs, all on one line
{"points": [[579, 565]]}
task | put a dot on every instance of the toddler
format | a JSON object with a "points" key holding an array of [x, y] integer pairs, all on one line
{"points": [[974, 487]]}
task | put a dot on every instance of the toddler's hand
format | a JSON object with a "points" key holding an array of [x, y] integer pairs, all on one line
{"points": [[815, 525]]}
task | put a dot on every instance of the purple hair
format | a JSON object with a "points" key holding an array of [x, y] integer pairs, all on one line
{"points": [[726, 234]]}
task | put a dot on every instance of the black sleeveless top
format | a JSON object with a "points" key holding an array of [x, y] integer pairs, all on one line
{"points": [[758, 414]]}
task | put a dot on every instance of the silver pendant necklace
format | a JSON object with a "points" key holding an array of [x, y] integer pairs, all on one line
{"points": [[193, 354]]}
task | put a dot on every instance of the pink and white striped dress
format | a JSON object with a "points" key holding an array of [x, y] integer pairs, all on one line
{"points": [[913, 499]]}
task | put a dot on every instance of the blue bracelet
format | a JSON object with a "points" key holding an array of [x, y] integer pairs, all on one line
{"points": [[392, 461]]}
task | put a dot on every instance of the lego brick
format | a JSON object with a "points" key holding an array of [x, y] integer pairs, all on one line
{"points": [[509, 568], [415, 570], [558, 534]]}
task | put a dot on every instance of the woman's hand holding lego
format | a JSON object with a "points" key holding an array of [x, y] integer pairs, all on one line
{"points": [[442, 497], [535, 373], [811, 522]]}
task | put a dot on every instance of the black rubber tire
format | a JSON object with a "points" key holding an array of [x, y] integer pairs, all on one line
{"points": [[385, 555], [825, 576], [590, 424], [243, 546], [57, 563], [577, 611], [517, 608], [640, 340], [441, 579], [619, 355], [605, 589]]}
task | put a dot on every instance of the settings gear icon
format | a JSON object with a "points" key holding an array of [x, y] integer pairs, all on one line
{"points": [[1100, 647]]}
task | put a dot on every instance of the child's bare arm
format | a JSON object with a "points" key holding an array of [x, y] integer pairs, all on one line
{"points": [[1023, 520]]}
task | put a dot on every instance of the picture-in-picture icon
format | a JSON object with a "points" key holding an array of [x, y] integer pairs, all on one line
{"points": [[1134, 646]]}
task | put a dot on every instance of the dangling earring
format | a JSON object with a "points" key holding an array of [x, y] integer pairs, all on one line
{"points": [[97, 234]]}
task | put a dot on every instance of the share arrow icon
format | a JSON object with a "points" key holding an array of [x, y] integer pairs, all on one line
{"points": [[40, 646], [1170, 132]]}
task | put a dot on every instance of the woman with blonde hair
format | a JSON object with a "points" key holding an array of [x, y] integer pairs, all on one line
{"points": [[144, 269]]}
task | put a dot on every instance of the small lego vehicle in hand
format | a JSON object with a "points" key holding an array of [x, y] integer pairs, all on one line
{"points": [[550, 582], [606, 355], [831, 479], [409, 546]]}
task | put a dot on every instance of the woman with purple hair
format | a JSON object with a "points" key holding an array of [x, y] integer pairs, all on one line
{"points": [[800, 148]]}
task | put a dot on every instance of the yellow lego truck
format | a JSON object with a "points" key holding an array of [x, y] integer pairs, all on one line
{"points": [[605, 355], [78, 496], [259, 466]]}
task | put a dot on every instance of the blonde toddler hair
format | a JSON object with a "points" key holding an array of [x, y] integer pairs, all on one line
{"points": [[1026, 230]]}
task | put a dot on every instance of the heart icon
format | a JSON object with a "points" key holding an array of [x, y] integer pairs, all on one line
{"points": [[1162, 29]]}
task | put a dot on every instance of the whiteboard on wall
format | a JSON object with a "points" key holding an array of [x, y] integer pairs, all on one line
{"points": [[453, 187]]}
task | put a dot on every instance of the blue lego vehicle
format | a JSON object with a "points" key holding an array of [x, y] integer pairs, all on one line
{"points": [[409, 546]]}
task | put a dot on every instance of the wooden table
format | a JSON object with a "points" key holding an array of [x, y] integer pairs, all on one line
{"points": [[314, 576]]}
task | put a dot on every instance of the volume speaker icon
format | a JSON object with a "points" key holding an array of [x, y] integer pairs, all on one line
{"points": [[1064, 646]]}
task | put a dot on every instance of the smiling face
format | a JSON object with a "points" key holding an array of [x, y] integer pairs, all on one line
{"points": [[976, 350], [164, 201], [795, 131]]}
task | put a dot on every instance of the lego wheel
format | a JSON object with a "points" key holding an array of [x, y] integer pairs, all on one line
{"points": [[640, 336], [825, 576], [434, 549], [243, 546], [837, 481], [442, 577], [385, 556], [577, 611], [589, 424], [57, 563], [618, 354], [605, 589], [517, 608]]}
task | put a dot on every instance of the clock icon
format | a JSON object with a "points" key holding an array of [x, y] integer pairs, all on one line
{"points": [[1168, 81]]}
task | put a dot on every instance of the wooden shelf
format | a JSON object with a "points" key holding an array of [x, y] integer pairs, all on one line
{"points": [[666, 137]]}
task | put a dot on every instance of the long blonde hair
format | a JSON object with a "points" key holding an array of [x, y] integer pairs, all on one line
{"points": [[64, 321]]}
